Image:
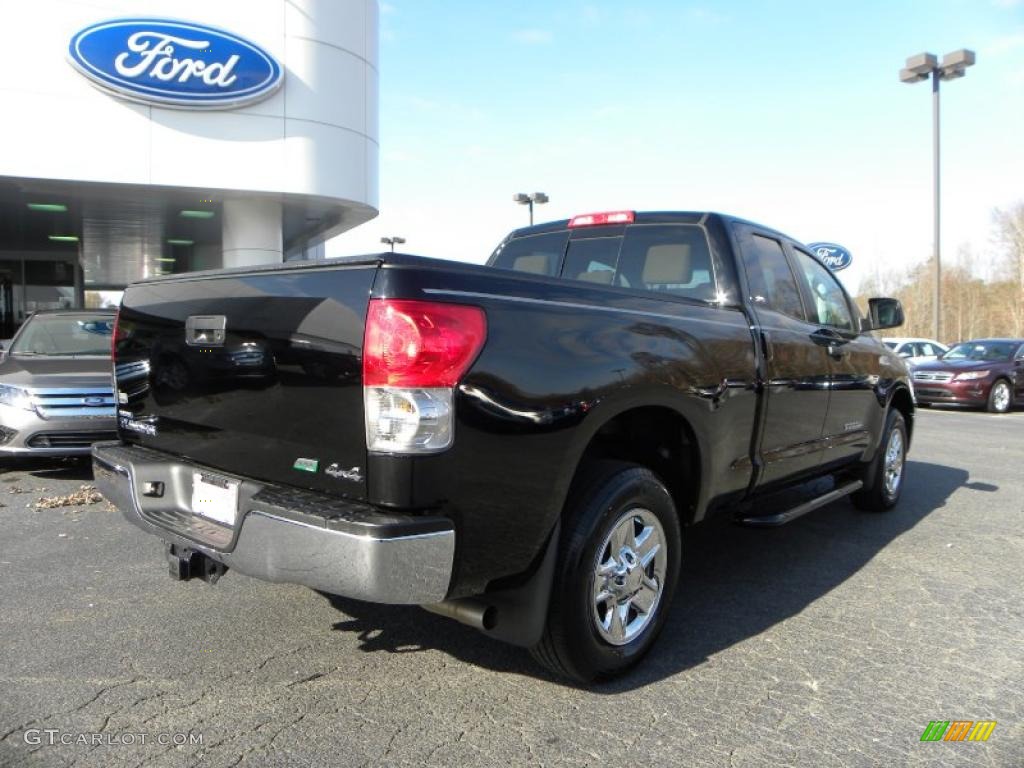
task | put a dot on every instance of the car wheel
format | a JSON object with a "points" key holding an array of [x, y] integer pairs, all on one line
{"points": [[616, 574], [1000, 397], [884, 476]]}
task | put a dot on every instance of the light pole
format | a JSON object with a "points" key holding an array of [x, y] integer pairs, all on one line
{"points": [[524, 199], [919, 68], [392, 241]]}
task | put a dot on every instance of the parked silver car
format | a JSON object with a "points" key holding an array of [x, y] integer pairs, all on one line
{"points": [[916, 351], [56, 392]]}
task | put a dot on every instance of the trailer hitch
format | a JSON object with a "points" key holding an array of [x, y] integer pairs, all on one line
{"points": [[185, 564]]}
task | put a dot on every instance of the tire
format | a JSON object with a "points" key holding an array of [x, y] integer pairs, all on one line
{"points": [[588, 638], [1000, 397], [885, 475]]}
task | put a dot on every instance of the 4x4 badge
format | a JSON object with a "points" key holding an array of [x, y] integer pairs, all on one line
{"points": [[355, 474]]}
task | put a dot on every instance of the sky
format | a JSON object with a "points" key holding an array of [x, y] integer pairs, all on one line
{"points": [[787, 113]]}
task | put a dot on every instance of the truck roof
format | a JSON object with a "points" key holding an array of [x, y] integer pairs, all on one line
{"points": [[651, 217]]}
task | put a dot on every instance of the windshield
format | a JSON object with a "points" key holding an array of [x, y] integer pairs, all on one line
{"points": [[891, 344], [65, 335], [981, 350]]}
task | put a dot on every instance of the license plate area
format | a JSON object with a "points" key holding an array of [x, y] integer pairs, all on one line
{"points": [[215, 497]]}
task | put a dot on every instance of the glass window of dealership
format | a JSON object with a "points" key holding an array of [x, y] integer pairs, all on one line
{"points": [[204, 135]]}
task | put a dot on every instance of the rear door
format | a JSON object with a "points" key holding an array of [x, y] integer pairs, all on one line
{"points": [[258, 374], [796, 379]]}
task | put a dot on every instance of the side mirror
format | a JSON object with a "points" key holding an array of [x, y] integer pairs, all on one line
{"points": [[884, 313]]}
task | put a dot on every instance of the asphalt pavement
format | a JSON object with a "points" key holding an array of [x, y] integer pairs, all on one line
{"points": [[832, 641]]}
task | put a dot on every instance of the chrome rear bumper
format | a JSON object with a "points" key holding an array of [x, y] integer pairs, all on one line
{"points": [[286, 535]]}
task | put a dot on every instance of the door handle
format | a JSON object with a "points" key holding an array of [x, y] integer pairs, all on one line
{"points": [[833, 341]]}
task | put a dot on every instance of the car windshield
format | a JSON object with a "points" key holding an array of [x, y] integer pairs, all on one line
{"points": [[891, 344], [981, 350], [65, 335]]}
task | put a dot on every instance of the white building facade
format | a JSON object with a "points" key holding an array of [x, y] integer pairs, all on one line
{"points": [[149, 137]]}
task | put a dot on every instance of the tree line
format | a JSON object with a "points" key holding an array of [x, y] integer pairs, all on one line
{"points": [[973, 306]]}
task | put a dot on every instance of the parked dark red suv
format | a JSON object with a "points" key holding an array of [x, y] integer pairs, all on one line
{"points": [[985, 373]]}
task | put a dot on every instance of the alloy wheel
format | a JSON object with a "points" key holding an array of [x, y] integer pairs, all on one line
{"points": [[629, 576], [894, 463]]}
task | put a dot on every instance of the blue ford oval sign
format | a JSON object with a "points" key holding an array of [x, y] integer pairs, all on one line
{"points": [[833, 256], [174, 63]]}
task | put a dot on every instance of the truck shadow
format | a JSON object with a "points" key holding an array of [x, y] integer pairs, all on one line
{"points": [[736, 583], [70, 468]]}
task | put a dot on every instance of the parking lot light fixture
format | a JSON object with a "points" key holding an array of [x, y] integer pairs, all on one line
{"points": [[920, 67], [538, 198], [392, 241]]}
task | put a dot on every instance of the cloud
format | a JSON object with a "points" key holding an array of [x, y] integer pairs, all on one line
{"points": [[532, 36]]}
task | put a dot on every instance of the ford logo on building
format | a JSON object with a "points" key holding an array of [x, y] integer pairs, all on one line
{"points": [[833, 256], [174, 63]]}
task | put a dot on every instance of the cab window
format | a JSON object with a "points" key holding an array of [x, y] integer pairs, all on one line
{"points": [[592, 260], [534, 254]]}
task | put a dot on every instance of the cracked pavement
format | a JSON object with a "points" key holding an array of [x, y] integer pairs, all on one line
{"points": [[832, 641]]}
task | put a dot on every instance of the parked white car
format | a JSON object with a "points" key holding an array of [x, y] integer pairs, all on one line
{"points": [[916, 351]]}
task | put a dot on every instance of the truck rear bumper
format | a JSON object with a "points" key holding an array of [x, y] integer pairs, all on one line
{"points": [[285, 535]]}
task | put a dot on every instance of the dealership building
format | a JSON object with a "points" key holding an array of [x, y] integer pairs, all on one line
{"points": [[149, 138]]}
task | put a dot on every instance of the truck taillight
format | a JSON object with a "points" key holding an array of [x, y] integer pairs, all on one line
{"points": [[414, 353]]}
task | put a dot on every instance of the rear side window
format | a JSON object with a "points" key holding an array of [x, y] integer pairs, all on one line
{"points": [[673, 259], [535, 254], [772, 284]]}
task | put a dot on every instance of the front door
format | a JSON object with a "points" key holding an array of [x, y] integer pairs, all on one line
{"points": [[1018, 374], [796, 369], [854, 359]]}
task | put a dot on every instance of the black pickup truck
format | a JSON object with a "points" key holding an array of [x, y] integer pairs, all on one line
{"points": [[519, 446]]}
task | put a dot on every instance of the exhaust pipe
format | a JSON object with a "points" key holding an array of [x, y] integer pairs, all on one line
{"points": [[466, 611]]}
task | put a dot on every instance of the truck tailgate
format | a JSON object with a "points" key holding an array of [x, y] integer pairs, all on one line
{"points": [[257, 373]]}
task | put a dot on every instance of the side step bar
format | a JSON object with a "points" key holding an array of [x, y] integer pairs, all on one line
{"points": [[781, 518]]}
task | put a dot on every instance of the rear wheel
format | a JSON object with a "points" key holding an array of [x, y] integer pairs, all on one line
{"points": [[883, 478], [618, 567], [1000, 397]]}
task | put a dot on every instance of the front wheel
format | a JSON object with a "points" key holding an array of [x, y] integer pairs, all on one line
{"points": [[999, 397], [883, 478], [617, 571]]}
